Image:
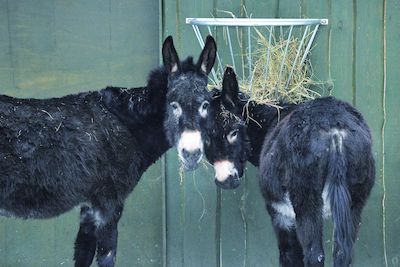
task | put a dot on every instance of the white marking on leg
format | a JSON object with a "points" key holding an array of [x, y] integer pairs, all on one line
{"points": [[285, 217], [98, 220], [224, 169], [6, 213], [109, 254]]}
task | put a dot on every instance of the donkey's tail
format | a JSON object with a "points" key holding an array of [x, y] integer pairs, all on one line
{"points": [[340, 202]]}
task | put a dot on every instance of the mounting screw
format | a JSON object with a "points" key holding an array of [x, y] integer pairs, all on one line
{"points": [[324, 21]]}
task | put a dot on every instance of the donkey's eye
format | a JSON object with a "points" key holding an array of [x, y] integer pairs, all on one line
{"points": [[176, 108], [174, 105], [232, 136], [205, 104], [203, 110]]}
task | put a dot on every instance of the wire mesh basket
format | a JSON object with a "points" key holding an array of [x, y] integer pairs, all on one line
{"points": [[269, 56]]}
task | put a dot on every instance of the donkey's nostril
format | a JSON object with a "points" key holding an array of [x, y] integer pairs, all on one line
{"points": [[235, 181], [185, 153], [232, 182], [197, 153], [192, 158], [191, 155]]}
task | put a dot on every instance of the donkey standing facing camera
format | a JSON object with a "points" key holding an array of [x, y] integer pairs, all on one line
{"points": [[90, 149], [315, 160]]}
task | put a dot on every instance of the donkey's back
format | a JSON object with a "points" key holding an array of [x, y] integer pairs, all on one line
{"points": [[308, 136], [54, 151]]}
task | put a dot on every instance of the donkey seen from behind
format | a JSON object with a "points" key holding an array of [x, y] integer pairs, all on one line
{"points": [[315, 160], [90, 149]]}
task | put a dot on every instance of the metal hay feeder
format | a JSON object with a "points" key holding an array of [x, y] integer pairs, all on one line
{"points": [[241, 50]]}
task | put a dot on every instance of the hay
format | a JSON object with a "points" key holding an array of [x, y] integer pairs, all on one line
{"points": [[270, 85]]}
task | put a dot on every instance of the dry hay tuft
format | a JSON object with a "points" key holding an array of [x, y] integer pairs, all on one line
{"points": [[269, 84]]}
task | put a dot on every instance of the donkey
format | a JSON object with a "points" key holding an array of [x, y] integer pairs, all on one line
{"points": [[315, 160], [90, 149]]}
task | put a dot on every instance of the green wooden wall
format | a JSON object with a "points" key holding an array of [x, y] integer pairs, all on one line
{"points": [[51, 48], [357, 58]]}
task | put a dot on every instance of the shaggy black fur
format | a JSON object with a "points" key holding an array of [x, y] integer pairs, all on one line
{"points": [[188, 98], [316, 150], [89, 149]]}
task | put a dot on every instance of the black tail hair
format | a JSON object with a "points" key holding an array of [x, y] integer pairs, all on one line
{"points": [[340, 200]]}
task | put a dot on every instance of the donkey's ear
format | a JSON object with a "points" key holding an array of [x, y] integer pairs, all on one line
{"points": [[170, 57], [230, 89], [207, 56]]}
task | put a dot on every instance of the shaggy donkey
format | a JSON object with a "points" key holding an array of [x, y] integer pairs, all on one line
{"points": [[315, 161], [90, 149]]}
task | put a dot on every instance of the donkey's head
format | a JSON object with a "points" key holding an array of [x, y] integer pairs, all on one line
{"points": [[229, 145], [188, 117]]}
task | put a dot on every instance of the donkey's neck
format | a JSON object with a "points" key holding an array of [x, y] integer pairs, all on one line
{"points": [[142, 110], [135, 105], [262, 120]]}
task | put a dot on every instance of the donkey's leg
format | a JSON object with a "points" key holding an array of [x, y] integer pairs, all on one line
{"points": [[107, 237], [307, 206], [290, 251], [85, 243], [356, 209]]}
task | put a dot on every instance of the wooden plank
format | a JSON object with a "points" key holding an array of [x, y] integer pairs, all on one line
{"points": [[33, 242], [228, 9], [369, 83], [262, 9], [171, 19], [133, 40], [319, 55], [174, 189], [6, 63], [199, 240], [191, 200], [27, 50], [261, 245], [232, 224], [391, 133], [174, 210], [341, 44], [83, 47], [233, 227], [289, 9], [140, 229], [82, 35]]}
